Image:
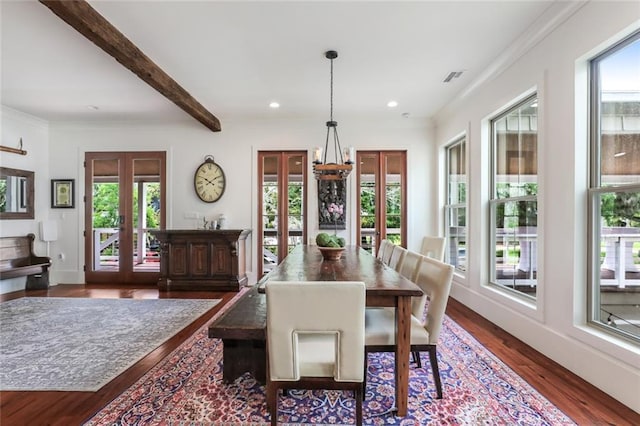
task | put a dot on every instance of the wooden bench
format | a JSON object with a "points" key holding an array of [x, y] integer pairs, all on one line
{"points": [[243, 332], [18, 260]]}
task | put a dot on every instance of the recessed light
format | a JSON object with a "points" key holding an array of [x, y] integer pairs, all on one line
{"points": [[405, 115], [392, 104], [619, 154], [274, 105], [93, 107]]}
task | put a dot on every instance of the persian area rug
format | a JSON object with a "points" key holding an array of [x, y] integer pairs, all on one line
{"points": [[186, 388], [77, 344]]}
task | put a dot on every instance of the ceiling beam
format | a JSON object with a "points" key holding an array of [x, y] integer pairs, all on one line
{"points": [[88, 22]]}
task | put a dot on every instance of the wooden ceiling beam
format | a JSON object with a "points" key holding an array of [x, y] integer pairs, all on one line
{"points": [[88, 22]]}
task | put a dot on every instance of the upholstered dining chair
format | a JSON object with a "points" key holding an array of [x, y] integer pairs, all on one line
{"points": [[388, 252], [315, 338], [434, 278], [410, 264], [397, 257], [382, 247], [433, 247]]}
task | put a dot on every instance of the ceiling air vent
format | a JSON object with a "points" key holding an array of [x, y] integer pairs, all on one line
{"points": [[452, 75]]}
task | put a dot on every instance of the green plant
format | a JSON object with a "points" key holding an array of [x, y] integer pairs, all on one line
{"points": [[620, 208]]}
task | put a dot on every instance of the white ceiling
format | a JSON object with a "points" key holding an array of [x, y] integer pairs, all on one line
{"points": [[235, 57]]}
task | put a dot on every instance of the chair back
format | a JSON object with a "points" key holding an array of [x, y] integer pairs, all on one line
{"points": [[381, 248], [410, 264], [388, 252], [434, 279], [315, 326], [397, 257], [433, 247]]}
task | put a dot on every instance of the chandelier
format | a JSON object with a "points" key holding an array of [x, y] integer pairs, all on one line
{"points": [[336, 170]]}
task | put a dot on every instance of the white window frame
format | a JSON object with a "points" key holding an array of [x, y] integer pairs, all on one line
{"points": [[494, 202], [450, 208], [596, 189]]}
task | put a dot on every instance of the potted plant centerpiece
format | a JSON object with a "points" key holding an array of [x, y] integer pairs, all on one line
{"points": [[331, 246]]}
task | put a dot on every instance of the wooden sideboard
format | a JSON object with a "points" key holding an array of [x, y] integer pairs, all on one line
{"points": [[194, 259]]}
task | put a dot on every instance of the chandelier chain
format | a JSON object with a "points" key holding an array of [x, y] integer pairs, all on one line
{"points": [[331, 97]]}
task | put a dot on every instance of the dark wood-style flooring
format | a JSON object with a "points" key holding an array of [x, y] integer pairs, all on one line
{"points": [[584, 403]]}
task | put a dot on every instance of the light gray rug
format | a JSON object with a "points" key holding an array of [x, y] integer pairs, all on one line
{"points": [[74, 344]]}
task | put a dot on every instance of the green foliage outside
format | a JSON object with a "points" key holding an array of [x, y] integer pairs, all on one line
{"points": [[295, 206], [394, 238], [106, 213], [3, 195], [106, 202], [525, 213], [394, 203], [367, 206], [270, 205], [620, 209]]}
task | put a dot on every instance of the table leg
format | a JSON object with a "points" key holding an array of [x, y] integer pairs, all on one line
{"points": [[403, 345]]}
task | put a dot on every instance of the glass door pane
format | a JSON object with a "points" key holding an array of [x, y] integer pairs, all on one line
{"points": [[393, 198], [282, 205], [105, 214], [270, 203], [381, 198], [146, 202], [368, 217], [296, 201]]}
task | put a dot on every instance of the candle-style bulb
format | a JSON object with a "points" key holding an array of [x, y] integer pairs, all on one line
{"points": [[317, 155]]}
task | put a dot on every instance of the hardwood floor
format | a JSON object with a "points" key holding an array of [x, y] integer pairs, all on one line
{"points": [[585, 404]]}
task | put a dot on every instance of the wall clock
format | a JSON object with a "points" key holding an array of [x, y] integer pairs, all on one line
{"points": [[209, 181]]}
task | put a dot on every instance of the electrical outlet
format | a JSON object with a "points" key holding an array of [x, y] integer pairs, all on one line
{"points": [[61, 256], [191, 215]]}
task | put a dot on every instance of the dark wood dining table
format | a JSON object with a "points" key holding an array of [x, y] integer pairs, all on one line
{"points": [[384, 287]]}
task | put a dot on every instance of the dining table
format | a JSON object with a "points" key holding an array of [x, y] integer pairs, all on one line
{"points": [[385, 287]]}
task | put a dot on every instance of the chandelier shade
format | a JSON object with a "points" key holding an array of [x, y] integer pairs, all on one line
{"points": [[336, 170]]}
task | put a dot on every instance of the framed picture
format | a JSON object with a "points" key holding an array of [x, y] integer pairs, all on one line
{"points": [[62, 194]]}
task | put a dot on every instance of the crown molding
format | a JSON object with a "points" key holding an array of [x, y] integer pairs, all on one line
{"points": [[548, 21]]}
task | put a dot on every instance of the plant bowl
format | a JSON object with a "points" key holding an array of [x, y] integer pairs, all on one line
{"points": [[331, 253]]}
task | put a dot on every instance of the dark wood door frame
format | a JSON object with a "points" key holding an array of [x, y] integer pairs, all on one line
{"points": [[126, 178], [380, 174], [282, 173]]}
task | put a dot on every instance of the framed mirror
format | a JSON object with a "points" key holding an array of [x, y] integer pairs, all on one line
{"points": [[16, 194]]}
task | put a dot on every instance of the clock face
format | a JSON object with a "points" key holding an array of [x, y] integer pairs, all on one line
{"points": [[209, 182]]}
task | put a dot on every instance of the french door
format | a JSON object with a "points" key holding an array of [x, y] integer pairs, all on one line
{"points": [[282, 205], [124, 200], [382, 197]]}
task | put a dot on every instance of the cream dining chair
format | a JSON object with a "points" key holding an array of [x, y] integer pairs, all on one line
{"points": [[315, 338], [388, 252], [397, 257], [433, 247], [410, 264], [434, 278], [383, 246]]}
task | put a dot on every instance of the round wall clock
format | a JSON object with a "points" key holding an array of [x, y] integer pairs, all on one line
{"points": [[209, 181]]}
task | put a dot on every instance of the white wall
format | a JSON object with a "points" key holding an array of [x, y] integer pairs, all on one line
{"points": [[555, 325], [235, 149], [35, 137]]}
